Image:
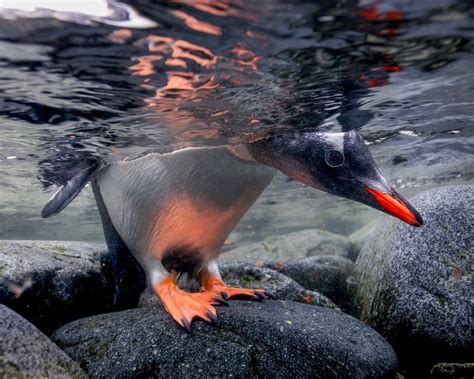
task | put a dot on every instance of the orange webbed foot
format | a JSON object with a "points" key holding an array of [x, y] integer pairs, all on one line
{"points": [[184, 306], [217, 287]]}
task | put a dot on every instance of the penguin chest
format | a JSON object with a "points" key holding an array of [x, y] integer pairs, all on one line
{"points": [[180, 207], [188, 232]]}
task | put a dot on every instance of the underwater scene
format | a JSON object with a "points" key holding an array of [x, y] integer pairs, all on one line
{"points": [[326, 147]]}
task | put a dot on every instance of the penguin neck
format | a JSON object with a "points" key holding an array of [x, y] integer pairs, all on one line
{"points": [[279, 154]]}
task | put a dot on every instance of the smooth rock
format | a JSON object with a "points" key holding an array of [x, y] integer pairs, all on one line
{"points": [[275, 339], [25, 352], [415, 284], [52, 282], [325, 274], [302, 244]]}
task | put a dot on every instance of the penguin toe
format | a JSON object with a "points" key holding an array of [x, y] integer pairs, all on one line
{"points": [[221, 300], [218, 287], [260, 296], [185, 324], [225, 296], [269, 295], [184, 307], [213, 318]]}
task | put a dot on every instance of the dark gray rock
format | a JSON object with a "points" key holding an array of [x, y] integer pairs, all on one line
{"points": [[25, 352], [325, 274], [415, 284], [279, 285], [302, 244], [452, 371], [51, 283], [275, 339]]}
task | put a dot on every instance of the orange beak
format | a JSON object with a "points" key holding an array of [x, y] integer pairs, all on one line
{"points": [[397, 206]]}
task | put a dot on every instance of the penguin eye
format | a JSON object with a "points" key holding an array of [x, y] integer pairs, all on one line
{"points": [[334, 158]]}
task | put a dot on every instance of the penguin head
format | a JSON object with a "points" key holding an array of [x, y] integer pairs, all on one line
{"points": [[337, 163]]}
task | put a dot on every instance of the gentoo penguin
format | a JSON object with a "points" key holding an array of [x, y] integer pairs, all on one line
{"points": [[174, 211]]}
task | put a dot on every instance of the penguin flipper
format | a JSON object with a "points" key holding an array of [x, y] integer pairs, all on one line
{"points": [[68, 192], [127, 277]]}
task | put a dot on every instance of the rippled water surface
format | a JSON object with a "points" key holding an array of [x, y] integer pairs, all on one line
{"points": [[80, 80]]}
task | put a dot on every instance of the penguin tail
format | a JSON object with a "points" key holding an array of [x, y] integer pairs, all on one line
{"points": [[68, 192]]}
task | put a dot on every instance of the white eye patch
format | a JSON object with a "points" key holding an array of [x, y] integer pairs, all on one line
{"points": [[334, 141]]}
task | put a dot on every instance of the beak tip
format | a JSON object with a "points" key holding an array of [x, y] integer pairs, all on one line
{"points": [[394, 204], [419, 220]]}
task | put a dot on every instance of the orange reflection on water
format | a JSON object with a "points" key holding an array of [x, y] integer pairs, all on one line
{"points": [[221, 8], [183, 83], [144, 67], [120, 35], [245, 57], [176, 63], [197, 25], [180, 49], [188, 81], [255, 35]]}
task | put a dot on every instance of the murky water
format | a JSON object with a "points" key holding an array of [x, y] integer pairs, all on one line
{"points": [[108, 79]]}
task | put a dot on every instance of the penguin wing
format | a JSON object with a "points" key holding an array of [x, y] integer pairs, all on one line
{"points": [[68, 192]]}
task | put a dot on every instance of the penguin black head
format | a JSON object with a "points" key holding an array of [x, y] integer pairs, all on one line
{"points": [[338, 163]]}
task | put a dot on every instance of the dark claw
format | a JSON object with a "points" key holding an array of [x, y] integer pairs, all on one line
{"points": [[268, 294], [186, 325], [212, 317], [221, 300], [261, 296], [225, 296]]}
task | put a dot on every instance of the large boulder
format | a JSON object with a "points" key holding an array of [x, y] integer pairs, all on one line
{"points": [[25, 352], [51, 283], [275, 339], [416, 285]]}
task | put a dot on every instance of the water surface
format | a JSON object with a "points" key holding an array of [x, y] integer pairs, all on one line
{"points": [[111, 79]]}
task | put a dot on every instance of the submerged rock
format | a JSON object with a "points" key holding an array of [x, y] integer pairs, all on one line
{"points": [[452, 371], [325, 274], [279, 285], [51, 283], [415, 284], [275, 339], [360, 236], [25, 352], [302, 244], [316, 259]]}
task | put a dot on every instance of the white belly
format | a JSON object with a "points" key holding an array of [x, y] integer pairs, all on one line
{"points": [[190, 199]]}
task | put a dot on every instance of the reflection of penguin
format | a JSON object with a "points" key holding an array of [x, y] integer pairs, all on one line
{"points": [[174, 211]]}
